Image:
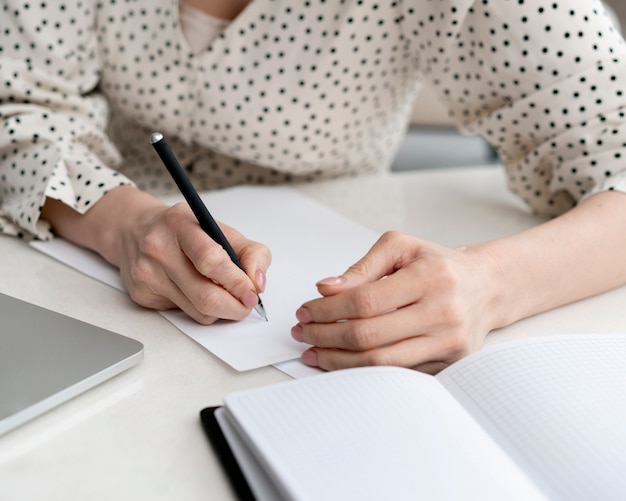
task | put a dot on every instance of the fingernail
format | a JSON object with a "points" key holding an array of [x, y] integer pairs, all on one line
{"points": [[309, 357], [261, 279], [250, 299], [331, 281], [296, 333], [304, 315]]}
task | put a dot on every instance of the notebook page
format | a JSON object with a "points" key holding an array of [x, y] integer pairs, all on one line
{"points": [[373, 433], [558, 405]]}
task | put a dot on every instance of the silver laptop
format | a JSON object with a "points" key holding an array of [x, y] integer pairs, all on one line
{"points": [[46, 358]]}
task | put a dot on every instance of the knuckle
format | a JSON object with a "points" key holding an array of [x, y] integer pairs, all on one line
{"points": [[446, 273], [360, 268], [457, 345], [379, 357], [211, 259], [311, 335], [215, 303], [151, 244], [139, 296], [391, 236], [261, 249], [141, 274], [452, 315], [147, 299], [205, 319], [396, 239], [360, 336], [208, 303], [176, 212], [365, 302], [328, 360]]}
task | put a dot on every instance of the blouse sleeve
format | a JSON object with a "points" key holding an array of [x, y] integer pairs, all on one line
{"points": [[53, 139], [544, 82]]}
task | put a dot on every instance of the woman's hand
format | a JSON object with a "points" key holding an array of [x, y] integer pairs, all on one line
{"points": [[408, 302], [418, 304], [168, 260], [165, 259]]}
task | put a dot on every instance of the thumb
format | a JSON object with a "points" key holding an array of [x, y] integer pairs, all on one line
{"points": [[380, 260], [354, 276]]}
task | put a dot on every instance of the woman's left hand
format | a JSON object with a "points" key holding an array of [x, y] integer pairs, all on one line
{"points": [[407, 302]]}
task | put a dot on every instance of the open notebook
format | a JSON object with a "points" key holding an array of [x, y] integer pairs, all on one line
{"points": [[542, 418], [47, 358]]}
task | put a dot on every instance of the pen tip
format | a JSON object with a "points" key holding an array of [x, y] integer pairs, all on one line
{"points": [[156, 137], [260, 309]]}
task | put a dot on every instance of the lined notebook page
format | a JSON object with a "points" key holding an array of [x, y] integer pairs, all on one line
{"points": [[373, 433], [560, 405]]}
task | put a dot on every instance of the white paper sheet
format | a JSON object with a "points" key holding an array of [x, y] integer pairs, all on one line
{"points": [[308, 242]]}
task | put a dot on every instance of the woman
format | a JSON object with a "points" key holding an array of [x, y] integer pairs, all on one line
{"points": [[266, 92]]}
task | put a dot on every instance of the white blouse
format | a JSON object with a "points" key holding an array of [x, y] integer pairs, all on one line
{"points": [[301, 90]]}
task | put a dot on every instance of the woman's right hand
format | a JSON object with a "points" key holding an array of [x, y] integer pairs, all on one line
{"points": [[165, 259]]}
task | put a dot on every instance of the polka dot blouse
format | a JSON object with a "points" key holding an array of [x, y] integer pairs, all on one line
{"points": [[301, 90]]}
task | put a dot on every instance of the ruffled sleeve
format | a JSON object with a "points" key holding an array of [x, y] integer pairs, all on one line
{"points": [[53, 140], [544, 82]]}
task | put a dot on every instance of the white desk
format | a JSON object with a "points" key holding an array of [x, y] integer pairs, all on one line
{"points": [[138, 436]]}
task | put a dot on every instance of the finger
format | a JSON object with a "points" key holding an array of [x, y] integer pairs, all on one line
{"points": [[366, 334], [164, 296], [199, 298], [206, 297], [173, 280], [388, 253], [402, 288], [432, 367], [407, 353], [212, 262], [182, 302], [253, 256]]}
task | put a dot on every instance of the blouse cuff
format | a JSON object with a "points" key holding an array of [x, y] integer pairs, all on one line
{"points": [[75, 172]]}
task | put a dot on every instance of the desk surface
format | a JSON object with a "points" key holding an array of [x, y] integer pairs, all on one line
{"points": [[138, 435]]}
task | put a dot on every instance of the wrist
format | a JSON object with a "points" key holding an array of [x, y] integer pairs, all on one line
{"points": [[501, 286], [103, 227], [116, 217]]}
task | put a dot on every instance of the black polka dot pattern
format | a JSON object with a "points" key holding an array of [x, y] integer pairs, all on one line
{"points": [[544, 82], [296, 91]]}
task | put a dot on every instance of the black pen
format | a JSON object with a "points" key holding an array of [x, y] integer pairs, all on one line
{"points": [[206, 221]]}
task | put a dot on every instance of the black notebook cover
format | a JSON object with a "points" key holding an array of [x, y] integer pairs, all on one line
{"points": [[225, 455]]}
